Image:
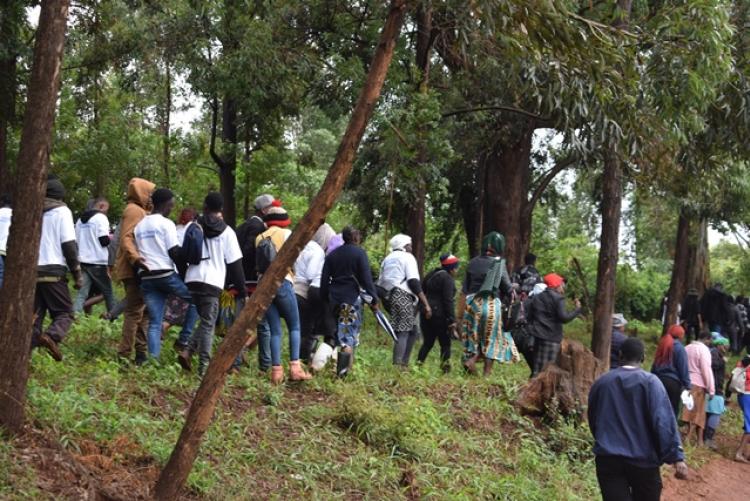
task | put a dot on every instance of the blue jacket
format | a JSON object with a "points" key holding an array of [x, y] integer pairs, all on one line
{"points": [[678, 369], [345, 270], [618, 337], [631, 417]]}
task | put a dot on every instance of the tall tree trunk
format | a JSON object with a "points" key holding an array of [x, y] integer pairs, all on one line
{"points": [[507, 187], [606, 274], [165, 122], [11, 15], [604, 302], [202, 408], [678, 285], [416, 209], [228, 167], [698, 257], [17, 297]]}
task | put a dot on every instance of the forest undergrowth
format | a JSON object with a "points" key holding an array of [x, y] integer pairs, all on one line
{"points": [[98, 425]]}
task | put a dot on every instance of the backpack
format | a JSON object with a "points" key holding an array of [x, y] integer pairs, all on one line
{"points": [[192, 244], [739, 377], [265, 253], [528, 278]]}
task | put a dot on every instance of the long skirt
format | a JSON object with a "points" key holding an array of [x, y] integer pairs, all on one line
{"points": [[482, 330], [697, 416]]}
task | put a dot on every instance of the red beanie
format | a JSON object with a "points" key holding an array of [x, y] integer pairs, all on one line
{"points": [[553, 280]]}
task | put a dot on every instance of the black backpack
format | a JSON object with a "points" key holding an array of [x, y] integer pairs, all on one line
{"points": [[265, 253], [192, 244]]}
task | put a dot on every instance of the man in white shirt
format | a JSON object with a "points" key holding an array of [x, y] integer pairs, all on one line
{"points": [[159, 249], [221, 254], [92, 235], [57, 248], [5, 215]]}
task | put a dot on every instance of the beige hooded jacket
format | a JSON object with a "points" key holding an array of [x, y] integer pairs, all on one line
{"points": [[139, 205]]}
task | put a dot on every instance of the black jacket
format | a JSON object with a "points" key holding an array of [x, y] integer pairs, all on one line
{"points": [[545, 313], [246, 235], [440, 289]]}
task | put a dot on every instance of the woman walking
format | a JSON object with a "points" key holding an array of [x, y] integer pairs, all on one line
{"points": [[485, 282], [440, 288], [671, 367], [399, 278]]}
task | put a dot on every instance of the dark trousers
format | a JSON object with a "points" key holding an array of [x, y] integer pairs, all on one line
{"points": [[674, 390], [95, 276], [315, 320], [435, 329], [52, 297], [620, 481]]}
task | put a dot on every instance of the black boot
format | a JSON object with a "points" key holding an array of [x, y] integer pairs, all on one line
{"points": [[343, 363]]}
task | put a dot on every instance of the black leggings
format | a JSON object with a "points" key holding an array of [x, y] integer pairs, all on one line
{"points": [[674, 390], [435, 328]]}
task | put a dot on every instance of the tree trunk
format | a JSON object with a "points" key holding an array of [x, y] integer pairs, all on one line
{"points": [[698, 257], [11, 16], [17, 298], [678, 285], [609, 242], [165, 122], [228, 167], [507, 186], [416, 224], [202, 408], [604, 302]]}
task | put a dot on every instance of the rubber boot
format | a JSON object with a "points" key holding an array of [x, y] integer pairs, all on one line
{"points": [[343, 363], [297, 373], [277, 374]]}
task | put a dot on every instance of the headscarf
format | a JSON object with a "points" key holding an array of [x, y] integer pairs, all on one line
{"points": [[538, 289], [399, 242], [665, 350], [334, 243], [323, 236], [495, 241]]}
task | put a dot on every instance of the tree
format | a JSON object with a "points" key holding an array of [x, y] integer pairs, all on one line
{"points": [[17, 298], [202, 408]]}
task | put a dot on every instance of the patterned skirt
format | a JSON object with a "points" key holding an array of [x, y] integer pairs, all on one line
{"points": [[482, 332], [402, 309]]}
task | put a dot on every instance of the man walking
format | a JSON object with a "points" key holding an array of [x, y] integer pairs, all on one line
{"points": [[135, 323], [92, 235], [156, 240], [221, 253], [57, 248], [634, 430]]}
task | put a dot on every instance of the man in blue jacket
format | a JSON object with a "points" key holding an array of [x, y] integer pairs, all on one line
{"points": [[634, 429]]}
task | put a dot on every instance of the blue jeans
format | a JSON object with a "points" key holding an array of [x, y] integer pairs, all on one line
{"points": [[284, 305], [155, 292]]}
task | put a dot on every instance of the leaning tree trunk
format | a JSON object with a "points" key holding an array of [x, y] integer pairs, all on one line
{"points": [[678, 285], [17, 295], [507, 187], [202, 408], [604, 302]]}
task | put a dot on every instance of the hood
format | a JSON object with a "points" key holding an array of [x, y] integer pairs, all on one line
{"points": [[212, 225], [88, 215], [139, 191], [323, 235]]}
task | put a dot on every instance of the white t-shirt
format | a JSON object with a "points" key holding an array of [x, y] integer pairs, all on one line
{"points": [[57, 228], [5, 215], [154, 236], [90, 250], [218, 252], [181, 229], [397, 269], [308, 268]]}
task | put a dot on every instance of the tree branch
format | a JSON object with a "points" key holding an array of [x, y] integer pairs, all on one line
{"points": [[212, 141], [511, 109], [547, 178]]}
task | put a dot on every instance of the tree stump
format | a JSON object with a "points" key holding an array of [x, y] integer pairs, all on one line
{"points": [[562, 386]]}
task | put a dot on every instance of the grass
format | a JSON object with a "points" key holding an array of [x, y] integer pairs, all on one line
{"points": [[382, 433]]}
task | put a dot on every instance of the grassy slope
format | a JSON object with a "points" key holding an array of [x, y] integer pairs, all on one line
{"points": [[381, 433]]}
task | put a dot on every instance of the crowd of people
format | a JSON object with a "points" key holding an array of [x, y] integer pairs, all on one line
{"points": [[198, 273]]}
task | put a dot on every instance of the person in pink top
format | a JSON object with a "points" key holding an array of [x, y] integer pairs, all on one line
{"points": [[702, 382]]}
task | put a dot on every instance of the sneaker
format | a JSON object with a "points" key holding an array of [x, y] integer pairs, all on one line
{"points": [[140, 358], [183, 358], [52, 347]]}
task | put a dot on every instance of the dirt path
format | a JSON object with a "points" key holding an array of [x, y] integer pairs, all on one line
{"points": [[718, 480]]}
